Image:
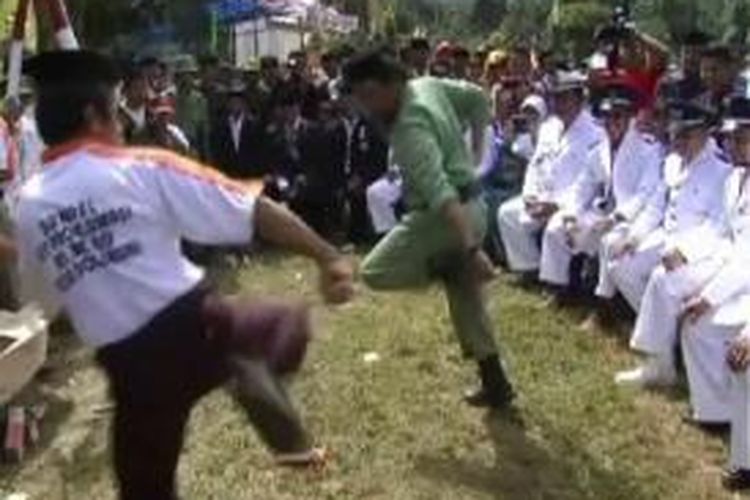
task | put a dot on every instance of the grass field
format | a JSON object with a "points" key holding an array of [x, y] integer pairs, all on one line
{"points": [[397, 426]]}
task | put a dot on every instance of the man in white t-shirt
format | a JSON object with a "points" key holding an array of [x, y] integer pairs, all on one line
{"points": [[102, 225]]}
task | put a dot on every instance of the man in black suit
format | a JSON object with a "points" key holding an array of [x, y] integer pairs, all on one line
{"points": [[236, 139], [320, 186], [368, 162]]}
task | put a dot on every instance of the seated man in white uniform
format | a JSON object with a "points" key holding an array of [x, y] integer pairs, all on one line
{"points": [[690, 196], [564, 140], [677, 256], [102, 225], [383, 196], [716, 314], [620, 175]]}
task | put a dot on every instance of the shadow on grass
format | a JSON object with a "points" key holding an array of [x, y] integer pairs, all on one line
{"points": [[524, 470]]}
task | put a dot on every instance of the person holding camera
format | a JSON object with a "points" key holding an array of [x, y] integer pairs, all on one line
{"points": [[633, 59]]}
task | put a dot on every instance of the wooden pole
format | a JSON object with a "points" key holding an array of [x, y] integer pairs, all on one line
{"points": [[16, 48], [64, 35]]}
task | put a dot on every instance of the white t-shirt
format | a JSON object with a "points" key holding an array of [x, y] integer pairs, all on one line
{"points": [[103, 224]]}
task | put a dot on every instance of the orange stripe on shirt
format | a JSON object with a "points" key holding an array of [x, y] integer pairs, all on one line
{"points": [[159, 157]]}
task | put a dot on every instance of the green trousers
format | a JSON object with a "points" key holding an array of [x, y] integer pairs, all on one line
{"points": [[423, 249]]}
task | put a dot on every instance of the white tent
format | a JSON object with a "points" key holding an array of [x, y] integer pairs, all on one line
{"points": [[286, 29]]}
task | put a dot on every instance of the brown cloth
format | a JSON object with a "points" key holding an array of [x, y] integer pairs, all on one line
{"points": [[158, 374]]}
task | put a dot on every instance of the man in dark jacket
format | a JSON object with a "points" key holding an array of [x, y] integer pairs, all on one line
{"points": [[320, 184], [235, 141], [368, 163]]}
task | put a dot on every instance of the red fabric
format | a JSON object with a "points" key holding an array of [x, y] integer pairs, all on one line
{"points": [[275, 331], [644, 83], [13, 157]]}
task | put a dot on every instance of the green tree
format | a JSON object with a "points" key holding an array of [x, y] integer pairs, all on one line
{"points": [[576, 25], [488, 14], [526, 21]]}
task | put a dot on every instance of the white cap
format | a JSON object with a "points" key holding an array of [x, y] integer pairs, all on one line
{"points": [[537, 103]]}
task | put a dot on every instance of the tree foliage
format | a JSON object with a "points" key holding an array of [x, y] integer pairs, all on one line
{"points": [[567, 29], [488, 14]]}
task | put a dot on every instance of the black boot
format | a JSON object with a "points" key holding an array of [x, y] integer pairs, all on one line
{"points": [[495, 392], [736, 479]]}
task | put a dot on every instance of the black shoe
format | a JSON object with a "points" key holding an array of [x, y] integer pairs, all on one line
{"points": [[495, 392], [481, 398], [718, 429], [736, 479]]}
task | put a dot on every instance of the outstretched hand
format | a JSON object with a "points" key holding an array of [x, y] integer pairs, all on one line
{"points": [[738, 356], [337, 280], [695, 309], [482, 269]]}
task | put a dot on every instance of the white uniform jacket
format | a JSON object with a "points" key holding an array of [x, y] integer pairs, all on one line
{"points": [[559, 159], [689, 205]]}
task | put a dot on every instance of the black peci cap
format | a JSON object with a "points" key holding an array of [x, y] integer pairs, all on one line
{"points": [[617, 98], [65, 67], [685, 115], [737, 116], [696, 38], [372, 65], [419, 43]]}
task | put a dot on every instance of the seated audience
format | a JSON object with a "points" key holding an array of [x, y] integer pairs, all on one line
{"points": [[564, 141], [666, 256]]}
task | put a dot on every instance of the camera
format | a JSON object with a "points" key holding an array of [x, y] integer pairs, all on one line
{"points": [[620, 27], [520, 124]]}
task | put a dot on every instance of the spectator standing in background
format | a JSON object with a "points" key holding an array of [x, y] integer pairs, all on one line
{"points": [[461, 63], [495, 68], [133, 110], [519, 62], [441, 65], [235, 141], [368, 162], [191, 107], [419, 54], [719, 70], [320, 183], [270, 75], [299, 82], [476, 66], [212, 89], [157, 75], [20, 114], [279, 149], [690, 85], [162, 130], [330, 81]]}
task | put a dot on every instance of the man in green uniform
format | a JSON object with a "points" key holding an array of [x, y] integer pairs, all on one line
{"points": [[191, 106], [441, 236]]}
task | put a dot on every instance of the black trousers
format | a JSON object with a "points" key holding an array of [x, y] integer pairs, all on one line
{"points": [[157, 375]]}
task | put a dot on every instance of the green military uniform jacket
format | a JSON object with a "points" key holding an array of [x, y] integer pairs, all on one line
{"points": [[429, 139]]}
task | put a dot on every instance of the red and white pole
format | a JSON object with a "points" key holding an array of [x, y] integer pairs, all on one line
{"points": [[15, 59], [64, 35]]}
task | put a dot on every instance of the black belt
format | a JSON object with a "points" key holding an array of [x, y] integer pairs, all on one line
{"points": [[469, 192]]}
